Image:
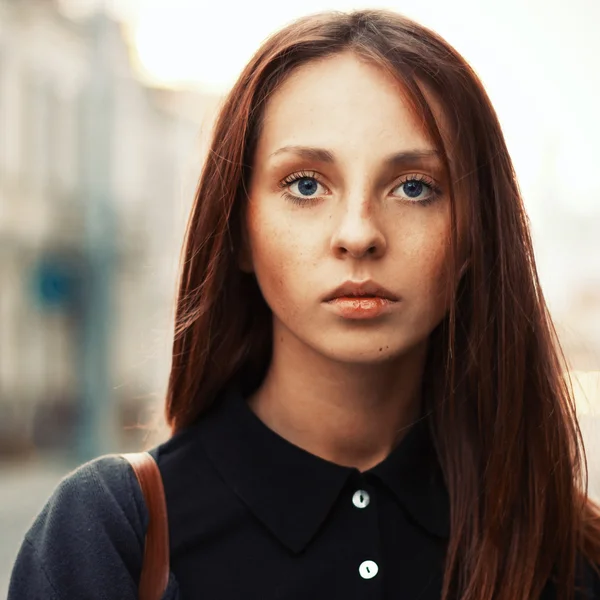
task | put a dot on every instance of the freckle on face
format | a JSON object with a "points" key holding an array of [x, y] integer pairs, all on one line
{"points": [[300, 253]]}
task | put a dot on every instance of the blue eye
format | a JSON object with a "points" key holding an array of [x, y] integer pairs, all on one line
{"points": [[418, 189], [303, 188], [413, 189], [307, 186]]}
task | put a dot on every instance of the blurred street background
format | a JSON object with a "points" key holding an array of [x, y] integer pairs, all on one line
{"points": [[105, 109]]}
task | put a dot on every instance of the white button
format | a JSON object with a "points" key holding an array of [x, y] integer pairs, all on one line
{"points": [[368, 569], [361, 499]]}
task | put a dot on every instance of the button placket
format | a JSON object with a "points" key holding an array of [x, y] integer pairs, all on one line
{"points": [[364, 523], [361, 499]]}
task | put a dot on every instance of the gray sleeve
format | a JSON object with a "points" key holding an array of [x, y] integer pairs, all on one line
{"points": [[29, 578], [87, 542]]}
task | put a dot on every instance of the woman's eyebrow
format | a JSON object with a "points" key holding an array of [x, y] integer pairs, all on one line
{"points": [[318, 154], [397, 159]]}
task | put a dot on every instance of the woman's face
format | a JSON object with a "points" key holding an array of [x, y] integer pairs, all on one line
{"points": [[346, 188]]}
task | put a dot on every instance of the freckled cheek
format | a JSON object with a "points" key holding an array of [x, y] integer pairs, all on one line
{"points": [[280, 258], [428, 256]]}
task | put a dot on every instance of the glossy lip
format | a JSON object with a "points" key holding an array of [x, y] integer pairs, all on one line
{"points": [[363, 300], [360, 289]]}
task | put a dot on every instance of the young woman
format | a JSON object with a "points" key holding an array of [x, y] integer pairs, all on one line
{"points": [[367, 397]]}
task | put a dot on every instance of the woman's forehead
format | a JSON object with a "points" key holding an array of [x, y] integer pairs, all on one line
{"points": [[342, 102]]}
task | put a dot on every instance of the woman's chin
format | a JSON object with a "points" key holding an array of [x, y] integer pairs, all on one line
{"points": [[365, 354]]}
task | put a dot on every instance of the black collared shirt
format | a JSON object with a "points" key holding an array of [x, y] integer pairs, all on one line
{"points": [[251, 516]]}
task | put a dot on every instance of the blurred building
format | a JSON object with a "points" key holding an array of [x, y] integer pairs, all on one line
{"points": [[571, 265], [566, 230], [97, 173]]}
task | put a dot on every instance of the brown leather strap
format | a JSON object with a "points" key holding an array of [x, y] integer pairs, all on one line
{"points": [[155, 569]]}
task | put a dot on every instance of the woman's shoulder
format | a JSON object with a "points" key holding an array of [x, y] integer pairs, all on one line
{"points": [[102, 492], [89, 533]]}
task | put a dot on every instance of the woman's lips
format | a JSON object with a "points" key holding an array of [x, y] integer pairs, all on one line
{"points": [[360, 307]]}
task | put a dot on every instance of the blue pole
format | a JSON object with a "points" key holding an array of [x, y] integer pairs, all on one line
{"points": [[97, 424]]}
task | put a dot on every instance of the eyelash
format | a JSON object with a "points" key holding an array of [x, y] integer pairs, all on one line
{"points": [[436, 191], [291, 179], [298, 200]]}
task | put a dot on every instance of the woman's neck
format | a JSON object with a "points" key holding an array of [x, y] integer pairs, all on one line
{"points": [[349, 414]]}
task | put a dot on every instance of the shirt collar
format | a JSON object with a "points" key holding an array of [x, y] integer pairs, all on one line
{"points": [[291, 491], [413, 473]]}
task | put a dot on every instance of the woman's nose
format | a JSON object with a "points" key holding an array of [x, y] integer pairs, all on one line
{"points": [[358, 234]]}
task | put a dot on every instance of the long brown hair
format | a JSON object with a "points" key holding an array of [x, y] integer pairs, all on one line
{"points": [[503, 418]]}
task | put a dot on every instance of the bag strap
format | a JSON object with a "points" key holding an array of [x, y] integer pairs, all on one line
{"points": [[155, 568]]}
